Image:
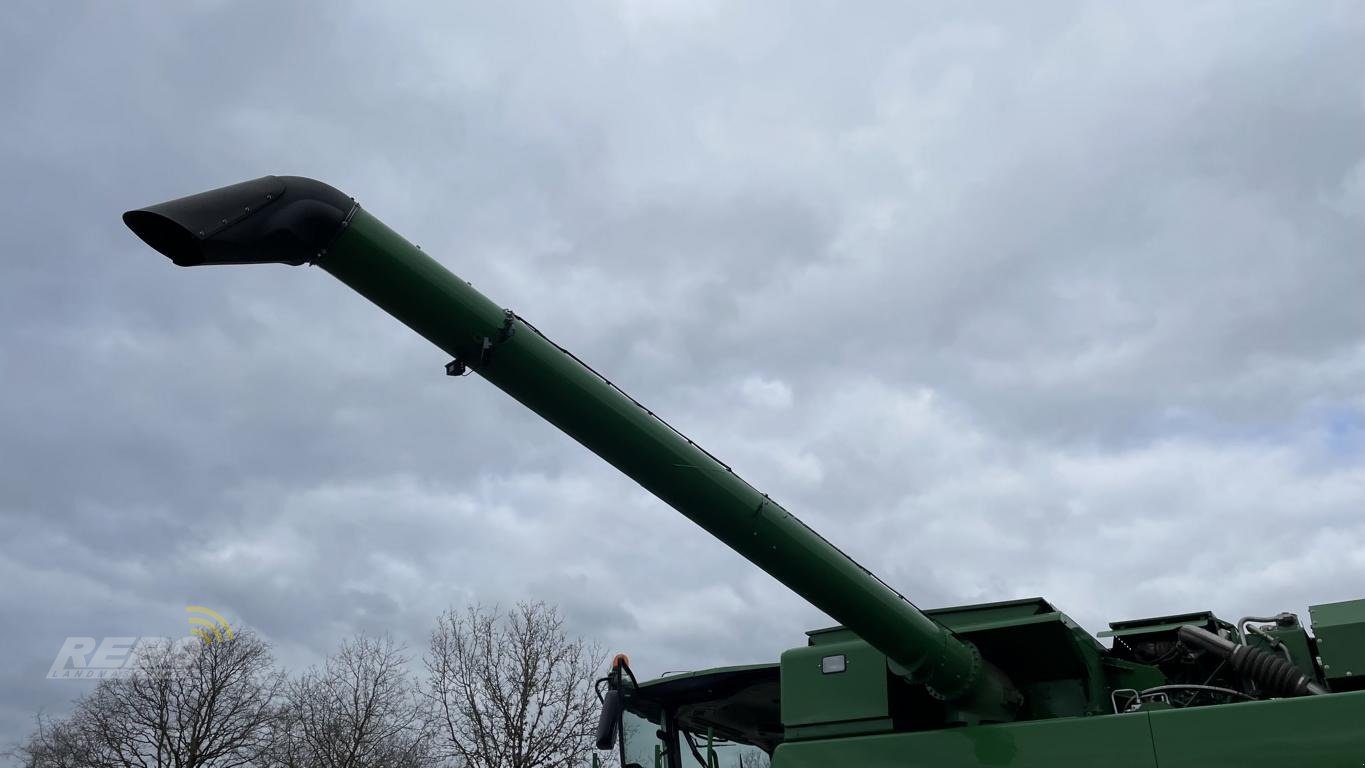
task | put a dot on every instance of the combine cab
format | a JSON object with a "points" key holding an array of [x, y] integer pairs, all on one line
{"points": [[1002, 684]]}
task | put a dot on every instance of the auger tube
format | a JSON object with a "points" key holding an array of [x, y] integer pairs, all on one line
{"points": [[294, 220]]}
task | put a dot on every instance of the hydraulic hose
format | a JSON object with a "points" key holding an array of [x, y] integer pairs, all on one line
{"points": [[1270, 671]]}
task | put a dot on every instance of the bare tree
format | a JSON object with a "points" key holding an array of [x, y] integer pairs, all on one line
{"points": [[55, 744], [754, 758], [512, 690], [360, 710], [205, 705]]}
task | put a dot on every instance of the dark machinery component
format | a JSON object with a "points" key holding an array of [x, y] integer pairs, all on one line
{"points": [[1276, 675], [271, 220]]}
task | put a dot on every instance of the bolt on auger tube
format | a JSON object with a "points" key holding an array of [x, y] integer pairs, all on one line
{"points": [[293, 220]]}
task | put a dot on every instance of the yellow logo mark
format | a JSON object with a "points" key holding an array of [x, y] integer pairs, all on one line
{"points": [[211, 626]]}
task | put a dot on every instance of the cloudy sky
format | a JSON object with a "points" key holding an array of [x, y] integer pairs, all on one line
{"points": [[1060, 301]]}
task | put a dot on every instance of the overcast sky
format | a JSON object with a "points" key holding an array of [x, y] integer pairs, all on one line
{"points": [[1005, 299]]}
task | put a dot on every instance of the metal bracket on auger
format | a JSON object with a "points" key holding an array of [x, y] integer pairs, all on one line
{"points": [[458, 367]]}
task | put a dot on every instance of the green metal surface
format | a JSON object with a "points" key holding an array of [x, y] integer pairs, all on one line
{"points": [[673, 678], [382, 266], [1162, 624], [1117, 741], [830, 635], [810, 696], [1340, 632], [963, 617], [1309, 732]]}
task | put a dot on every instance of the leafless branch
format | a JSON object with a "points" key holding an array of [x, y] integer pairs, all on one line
{"points": [[511, 690]]}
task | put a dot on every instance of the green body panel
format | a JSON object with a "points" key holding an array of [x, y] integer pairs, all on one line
{"points": [[1116, 741], [1056, 664], [830, 635], [960, 618], [404, 281], [698, 673], [1340, 632], [854, 696], [1162, 624], [1309, 732]]}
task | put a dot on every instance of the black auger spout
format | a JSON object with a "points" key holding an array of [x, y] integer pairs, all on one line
{"points": [[270, 220]]}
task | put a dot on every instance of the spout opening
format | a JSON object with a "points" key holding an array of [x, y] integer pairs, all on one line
{"points": [[166, 237]]}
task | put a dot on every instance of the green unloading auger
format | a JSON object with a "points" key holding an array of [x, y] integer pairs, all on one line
{"points": [[294, 220]]}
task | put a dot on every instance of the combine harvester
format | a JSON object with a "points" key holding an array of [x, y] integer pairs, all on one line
{"points": [[1014, 683]]}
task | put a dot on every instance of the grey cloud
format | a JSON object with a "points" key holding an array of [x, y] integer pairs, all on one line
{"points": [[1057, 300]]}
